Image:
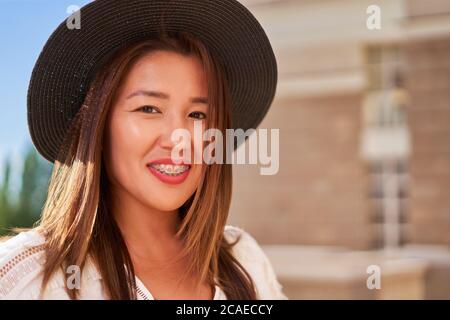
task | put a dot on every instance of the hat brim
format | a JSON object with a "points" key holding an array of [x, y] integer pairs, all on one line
{"points": [[69, 59]]}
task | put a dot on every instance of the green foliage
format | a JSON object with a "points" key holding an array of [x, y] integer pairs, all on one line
{"points": [[23, 207], [5, 205]]}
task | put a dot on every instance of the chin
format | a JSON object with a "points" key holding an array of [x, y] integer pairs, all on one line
{"points": [[169, 206], [167, 197], [166, 201]]}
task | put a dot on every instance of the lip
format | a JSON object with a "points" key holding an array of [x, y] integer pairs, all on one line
{"points": [[165, 178]]}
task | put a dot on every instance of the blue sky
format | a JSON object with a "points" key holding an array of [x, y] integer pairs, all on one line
{"points": [[25, 26]]}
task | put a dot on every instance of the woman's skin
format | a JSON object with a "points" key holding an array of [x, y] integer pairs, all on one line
{"points": [[145, 207]]}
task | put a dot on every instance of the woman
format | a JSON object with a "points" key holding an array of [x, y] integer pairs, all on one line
{"points": [[122, 220]]}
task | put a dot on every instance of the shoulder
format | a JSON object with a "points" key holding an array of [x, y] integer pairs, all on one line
{"points": [[21, 259], [246, 247], [252, 257]]}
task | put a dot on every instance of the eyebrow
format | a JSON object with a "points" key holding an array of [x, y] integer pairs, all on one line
{"points": [[162, 95]]}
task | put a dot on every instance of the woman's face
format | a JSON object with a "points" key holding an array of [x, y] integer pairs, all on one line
{"points": [[162, 92]]}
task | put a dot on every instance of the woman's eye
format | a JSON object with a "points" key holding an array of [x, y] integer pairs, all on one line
{"points": [[148, 109], [197, 115]]}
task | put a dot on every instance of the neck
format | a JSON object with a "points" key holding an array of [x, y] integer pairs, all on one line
{"points": [[149, 234]]}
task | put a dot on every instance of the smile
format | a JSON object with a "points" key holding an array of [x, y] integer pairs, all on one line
{"points": [[168, 172], [169, 169]]}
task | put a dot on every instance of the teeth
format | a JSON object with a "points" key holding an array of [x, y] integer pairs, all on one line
{"points": [[169, 169]]}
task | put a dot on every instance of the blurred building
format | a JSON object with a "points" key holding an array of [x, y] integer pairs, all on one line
{"points": [[364, 177]]}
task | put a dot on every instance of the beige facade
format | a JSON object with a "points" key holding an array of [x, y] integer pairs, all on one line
{"points": [[428, 81], [323, 206]]}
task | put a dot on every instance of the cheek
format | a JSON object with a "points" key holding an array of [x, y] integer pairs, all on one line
{"points": [[128, 143], [197, 144], [131, 136], [196, 173], [129, 130]]}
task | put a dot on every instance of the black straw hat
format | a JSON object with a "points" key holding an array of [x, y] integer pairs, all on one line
{"points": [[70, 58]]}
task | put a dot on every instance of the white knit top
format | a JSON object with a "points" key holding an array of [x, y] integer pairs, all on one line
{"points": [[22, 257]]}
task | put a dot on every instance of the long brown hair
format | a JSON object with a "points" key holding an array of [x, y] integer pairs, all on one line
{"points": [[77, 220]]}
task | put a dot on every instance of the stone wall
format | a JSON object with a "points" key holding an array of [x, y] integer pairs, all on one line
{"points": [[319, 195], [428, 83]]}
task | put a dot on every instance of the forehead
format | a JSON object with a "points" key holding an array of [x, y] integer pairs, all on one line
{"points": [[167, 71]]}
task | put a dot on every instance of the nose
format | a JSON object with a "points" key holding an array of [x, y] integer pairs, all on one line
{"points": [[171, 123]]}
